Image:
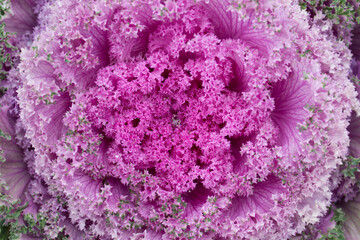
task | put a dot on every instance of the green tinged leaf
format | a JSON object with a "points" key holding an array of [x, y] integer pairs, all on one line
{"points": [[336, 233], [351, 166], [5, 135], [341, 12], [4, 232], [6, 48]]}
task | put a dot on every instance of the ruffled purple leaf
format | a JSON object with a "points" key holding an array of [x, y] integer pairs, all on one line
{"points": [[79, 69], [23, 18], [354, 134], [14, 170], [291, 96], [229, 24], [259, 202], [54, 110], [195, 199], [240, 81], [352, 218]]}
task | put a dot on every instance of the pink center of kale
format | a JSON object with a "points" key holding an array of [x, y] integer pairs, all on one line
{"points": [[176, 113]]}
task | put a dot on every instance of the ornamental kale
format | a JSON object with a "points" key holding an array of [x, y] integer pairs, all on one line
{"points": [[148, 119]]}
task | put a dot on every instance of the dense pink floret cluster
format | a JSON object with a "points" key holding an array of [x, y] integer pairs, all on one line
{"points": [[182, 120]]}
